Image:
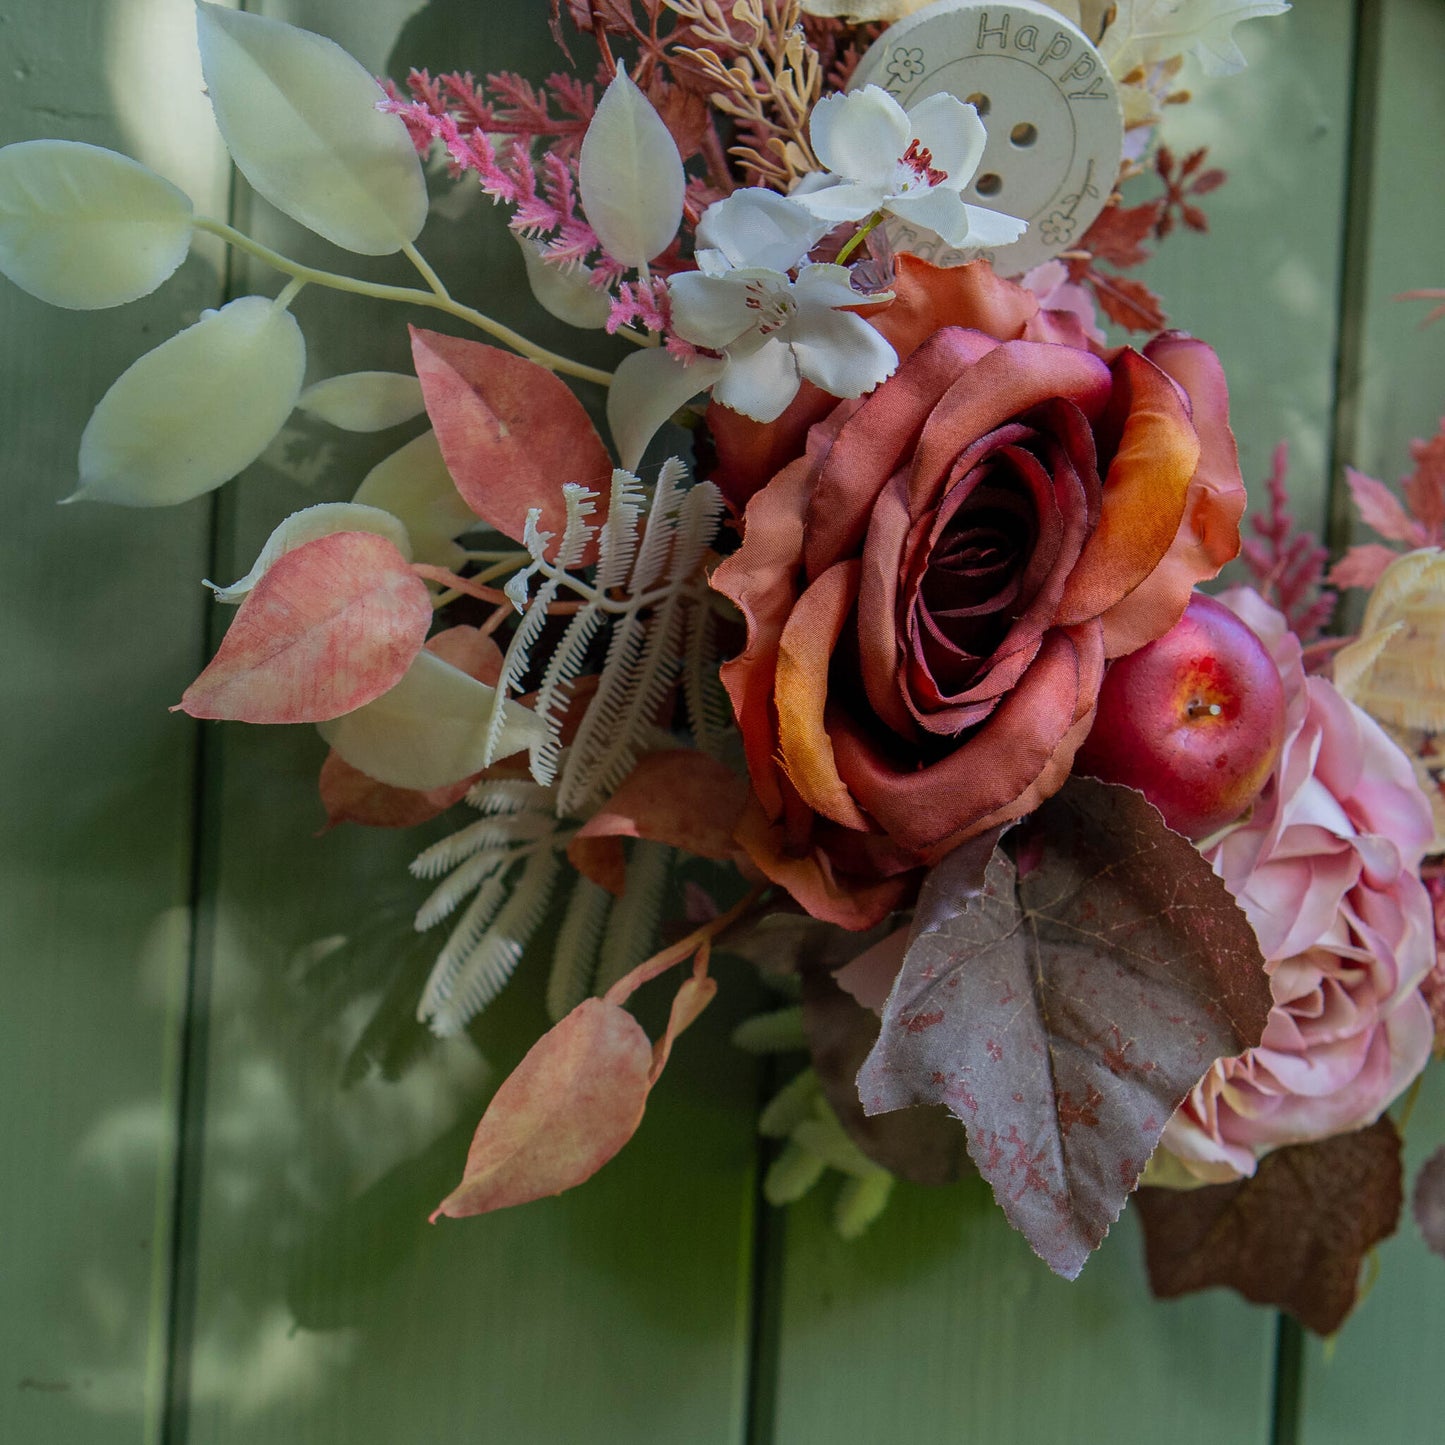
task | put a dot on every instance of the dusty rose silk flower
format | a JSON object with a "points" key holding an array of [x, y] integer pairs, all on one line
{"points": [[932, 589], [1327, 870]]}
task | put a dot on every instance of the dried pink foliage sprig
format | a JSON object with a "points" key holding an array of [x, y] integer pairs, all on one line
{"points": [[455, 112], [1288, 565], [1417, 521]]}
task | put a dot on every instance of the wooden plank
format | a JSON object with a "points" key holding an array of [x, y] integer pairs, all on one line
{"points": [[324, 1307], [102, 628], [1380, 1378], [967, 1334]]}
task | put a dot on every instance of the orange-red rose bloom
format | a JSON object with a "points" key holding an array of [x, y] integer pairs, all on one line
{"points": [[933, 589]]}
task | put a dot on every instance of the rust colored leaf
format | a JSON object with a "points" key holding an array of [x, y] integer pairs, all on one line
{"points": [[566, 1109], [926, 1143], [580, 1093], [1118, 234], [1066, 1007], [350, 796], [1292, 1236], [331, 626], [682, 798], [1380, 508], [1128, 303], [511, 432], [1428, 1201]]}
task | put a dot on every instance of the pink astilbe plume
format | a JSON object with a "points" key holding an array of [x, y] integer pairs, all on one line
{"points": [[1418, 521], [1288, 565]]}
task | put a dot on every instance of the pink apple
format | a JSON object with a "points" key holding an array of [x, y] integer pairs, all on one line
{"points": [[1194, 720]]}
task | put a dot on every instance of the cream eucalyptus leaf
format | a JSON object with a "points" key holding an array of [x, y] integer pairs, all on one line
{"points": [[83, 227], [430, 729], [195, 411], [413, 483], [299, 117], [567, 294], [629, 175], [364, 401]]}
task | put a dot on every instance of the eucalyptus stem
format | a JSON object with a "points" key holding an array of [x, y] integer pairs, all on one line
{"points": [[437, 300]]}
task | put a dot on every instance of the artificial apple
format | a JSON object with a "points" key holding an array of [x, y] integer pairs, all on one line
{"points": [[1194, 720]]}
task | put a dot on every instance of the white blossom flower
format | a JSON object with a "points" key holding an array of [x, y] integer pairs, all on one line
{"points": [[914, 164], [774, 332]]}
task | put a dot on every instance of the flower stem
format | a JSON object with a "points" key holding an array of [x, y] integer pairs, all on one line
{"points": [[857, 238], [436, 299]]}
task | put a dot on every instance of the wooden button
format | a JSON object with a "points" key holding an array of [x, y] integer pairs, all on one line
{"points": [[1047, 100]]}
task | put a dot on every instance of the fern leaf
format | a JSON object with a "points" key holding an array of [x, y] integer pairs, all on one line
{"points": [[467, 878], [469, 976], [617, 545], [490, 833], [575, 956], [709, 713], [632, 928]]}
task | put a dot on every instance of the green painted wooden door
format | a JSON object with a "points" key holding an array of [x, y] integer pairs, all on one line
{"points": [[220, 1131]]}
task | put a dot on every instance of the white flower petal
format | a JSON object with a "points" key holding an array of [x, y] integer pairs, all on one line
{"points": [[713, 311], [993, 228], [827, 285], [646, 389], [848, 201], [859, 135], [952, 132], [757, 227], [940, 209], [761, 384], [841, 353]]}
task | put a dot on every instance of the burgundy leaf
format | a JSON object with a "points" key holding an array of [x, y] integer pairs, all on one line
{"points": [[1428, 1200], [1292, 1236], [925, 1144], [1066, 1008]]}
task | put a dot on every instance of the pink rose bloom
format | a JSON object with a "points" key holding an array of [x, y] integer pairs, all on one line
{"points": [[1327, 868]]}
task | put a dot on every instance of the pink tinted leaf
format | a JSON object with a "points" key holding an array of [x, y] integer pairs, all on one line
{"points": [[1361, 566], [680, 797], [330, 627], [1064, 1010], [568, 1107], [1380, 508], [1427, 1201], [691, 999], [511, 432]]}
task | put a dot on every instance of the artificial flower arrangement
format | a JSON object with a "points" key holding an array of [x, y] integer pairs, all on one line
{"points": [[1066, 872]]}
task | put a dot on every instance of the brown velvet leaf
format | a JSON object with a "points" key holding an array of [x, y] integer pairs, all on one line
{"points": [[1292, 1236], [1427, 1201], [1064, 1009], [925, 1144]]}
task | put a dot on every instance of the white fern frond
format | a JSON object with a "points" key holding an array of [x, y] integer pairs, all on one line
{"points": [[476, 964], [709, 712], [632, 927], [467, 878], [490, 833], [509, 795], [574, 958], [617, 545]]}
